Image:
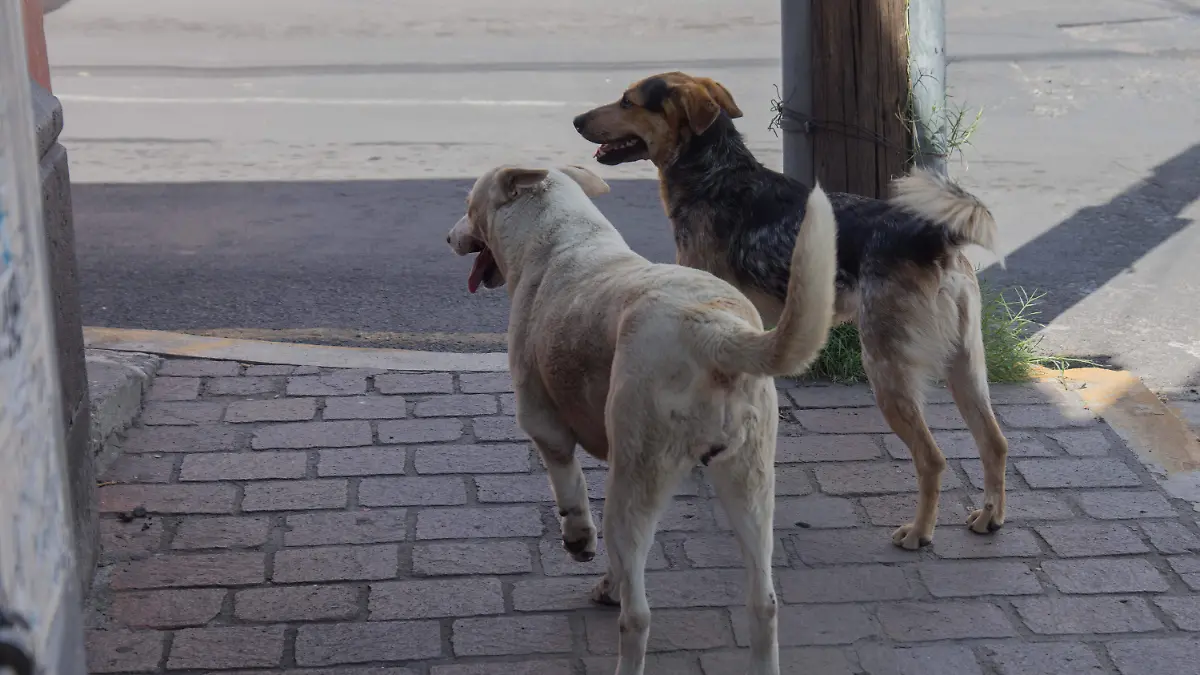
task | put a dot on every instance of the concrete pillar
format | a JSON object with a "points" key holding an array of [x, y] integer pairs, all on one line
{"points": [[59, 223], [57, 215]]}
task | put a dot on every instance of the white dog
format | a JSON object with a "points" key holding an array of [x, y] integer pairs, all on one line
{"points": [[650, 367]]}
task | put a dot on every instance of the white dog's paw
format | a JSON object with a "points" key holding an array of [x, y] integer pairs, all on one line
{"points": [[579, 535], [606, 592]]}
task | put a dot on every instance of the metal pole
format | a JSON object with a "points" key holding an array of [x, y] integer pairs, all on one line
{"points": [[927, 79], [40, 607], [795, 26]]}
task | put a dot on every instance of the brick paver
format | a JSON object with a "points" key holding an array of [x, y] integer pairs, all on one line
{"points": [[300, 520]]}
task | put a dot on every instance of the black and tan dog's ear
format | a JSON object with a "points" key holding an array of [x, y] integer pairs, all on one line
{"points": [[512, 182], [698, 105], [593, 185], [721, 95]]}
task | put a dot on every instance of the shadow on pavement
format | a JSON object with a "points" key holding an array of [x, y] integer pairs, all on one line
{"points": [[1110, 238]]}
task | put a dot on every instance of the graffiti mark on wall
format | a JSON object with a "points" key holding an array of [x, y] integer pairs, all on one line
{"points": [[5, 247]]}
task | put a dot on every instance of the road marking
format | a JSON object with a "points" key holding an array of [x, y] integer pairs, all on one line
{"points": [[340, 102], [1192, 350]]}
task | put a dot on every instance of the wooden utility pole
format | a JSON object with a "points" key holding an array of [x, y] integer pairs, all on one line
{"points": [[859, 105], [860, 94]]}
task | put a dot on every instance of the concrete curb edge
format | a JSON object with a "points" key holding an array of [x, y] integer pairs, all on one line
{"points": [[287, 353], [118, 383]]}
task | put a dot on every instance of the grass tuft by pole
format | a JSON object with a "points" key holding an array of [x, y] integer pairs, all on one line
{"points": [[1010, 343]]}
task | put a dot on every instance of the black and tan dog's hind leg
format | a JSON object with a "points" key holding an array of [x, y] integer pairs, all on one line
{"points": [[917, 326], [967, 379], [900, 395], [923, 323]]}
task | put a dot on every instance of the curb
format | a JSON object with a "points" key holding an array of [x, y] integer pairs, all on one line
{"points": [[288, 353], [118, 383]]}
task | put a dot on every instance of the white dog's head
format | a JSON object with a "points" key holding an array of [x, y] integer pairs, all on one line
{"points": [[475, 233]]}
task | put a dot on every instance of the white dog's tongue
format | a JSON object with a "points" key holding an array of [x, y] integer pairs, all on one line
{"points": [[482, 262]]}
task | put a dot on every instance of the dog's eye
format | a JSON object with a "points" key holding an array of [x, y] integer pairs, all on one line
{"points": [[625, 102]]}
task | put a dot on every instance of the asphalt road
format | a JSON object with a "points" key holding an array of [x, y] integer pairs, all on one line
{"points": [[282, 169]]}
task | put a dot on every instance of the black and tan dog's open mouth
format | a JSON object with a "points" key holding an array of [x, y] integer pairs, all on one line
{"points": [[625, 150]]}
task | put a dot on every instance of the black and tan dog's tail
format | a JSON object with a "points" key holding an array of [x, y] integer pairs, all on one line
{"points": [[803, 328], [941, 200]]}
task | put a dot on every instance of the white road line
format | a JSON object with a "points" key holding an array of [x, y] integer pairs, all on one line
{"points": [[341, 102], [1192, 350]]}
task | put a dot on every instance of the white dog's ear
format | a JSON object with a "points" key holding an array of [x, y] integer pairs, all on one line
{"points": [[515, 181], [593, 185]]}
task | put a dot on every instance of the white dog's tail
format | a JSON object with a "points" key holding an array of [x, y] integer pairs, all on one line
{"points": [[791, 347], [941, 200]]}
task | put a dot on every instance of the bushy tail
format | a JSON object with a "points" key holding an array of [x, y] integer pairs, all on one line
{"points": [[791, 347], [941, 200]]}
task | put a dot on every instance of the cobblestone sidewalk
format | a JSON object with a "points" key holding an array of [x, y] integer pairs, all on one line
{"points": [[268, 519]]}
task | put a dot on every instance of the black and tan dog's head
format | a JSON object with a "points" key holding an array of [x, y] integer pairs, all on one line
{"points": [[655, 117]]}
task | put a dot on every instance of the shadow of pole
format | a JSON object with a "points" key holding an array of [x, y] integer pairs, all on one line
{"points": [[1084, 252]]}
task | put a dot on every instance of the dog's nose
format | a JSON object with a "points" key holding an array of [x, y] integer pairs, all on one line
{"points": [[447, 239], [579, 121]]}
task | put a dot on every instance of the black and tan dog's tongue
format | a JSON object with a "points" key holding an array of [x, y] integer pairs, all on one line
{"points": [[483, 262]]}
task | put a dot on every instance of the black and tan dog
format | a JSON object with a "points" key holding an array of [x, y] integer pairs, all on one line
{"points": [[902, 276]]}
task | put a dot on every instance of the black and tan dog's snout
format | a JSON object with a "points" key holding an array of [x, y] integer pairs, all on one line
{"points": [[585, 127]]}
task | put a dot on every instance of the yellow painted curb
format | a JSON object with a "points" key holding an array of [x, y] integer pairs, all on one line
{"points": [[1159, 437], [288, 353]]}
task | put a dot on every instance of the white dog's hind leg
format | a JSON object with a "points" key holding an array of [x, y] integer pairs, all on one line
{"points": [[556, 444], [637, 495], [745, 484]]}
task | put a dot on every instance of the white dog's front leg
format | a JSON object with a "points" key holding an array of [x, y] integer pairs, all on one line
{"points": [[556, 445], [571, 497]]}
